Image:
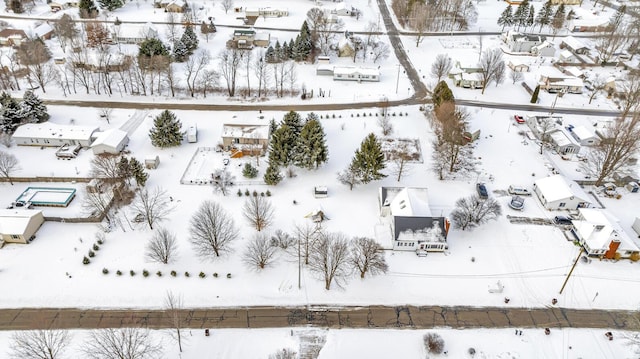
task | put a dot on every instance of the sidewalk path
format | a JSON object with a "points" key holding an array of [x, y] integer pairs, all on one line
{"points": [[410, 317]]}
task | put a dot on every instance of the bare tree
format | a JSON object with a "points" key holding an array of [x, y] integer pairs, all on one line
{"points": [[379, 51], [433, 343], [97, 203], [154, 206], [315, 21], [105, 112], [173, 24], [122, 343], [385, 123], [306, 236], [34, 56], [212, 230], [105, 167], [8, 165], [516, 76], [222, 180], [598, 83], [450, 126], [544, 126], [631, 94], [472, 211], [329, 258], [367, 257], [400, 156], [229, 63], [39, 344], [614, 37], [620, 142], [441, 66], [285, 353], [261, 72], [173, 310], [258, 211], [259, 252], [193, 67], [371, 33], [227, 5], [162, 246], [491, 63], [327, 31], [350, 176], [247, 61], [65, 29], [420, 20], [208, 81]]}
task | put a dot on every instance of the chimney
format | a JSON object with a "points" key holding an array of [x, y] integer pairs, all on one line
{"points": [[613, 248]]}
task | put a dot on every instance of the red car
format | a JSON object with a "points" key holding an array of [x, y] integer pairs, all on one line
{"points": [[519, 119]]}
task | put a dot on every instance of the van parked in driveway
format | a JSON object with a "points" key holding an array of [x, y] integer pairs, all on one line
{"points": [[519, 190]]}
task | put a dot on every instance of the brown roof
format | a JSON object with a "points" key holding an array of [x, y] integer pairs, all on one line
{"points": [[9, 32]]}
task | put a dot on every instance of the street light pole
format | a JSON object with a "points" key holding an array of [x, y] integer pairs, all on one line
{"points": [[398, 78]]}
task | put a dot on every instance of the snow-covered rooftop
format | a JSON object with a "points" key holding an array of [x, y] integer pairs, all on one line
{"points": [[556, 188], [597, 229], [574, 43], [14, 221], [50, 130], [582, 132], [245, 131], [112, 138], [411, 202]]}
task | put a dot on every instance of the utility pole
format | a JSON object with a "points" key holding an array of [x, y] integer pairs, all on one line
{"points": [[572, 268], [299, 286], [398, 78]]}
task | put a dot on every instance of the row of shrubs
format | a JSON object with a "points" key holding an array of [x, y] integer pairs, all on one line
{"points": [[92, 252], [364, 114], [145, 273], [254, 193]]}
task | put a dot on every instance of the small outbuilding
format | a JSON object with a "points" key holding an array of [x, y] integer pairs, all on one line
{"points": [[111, 141], [192, 134], [556, 193], [320, 192], [152, 162], [19, 225], [636, 226]]}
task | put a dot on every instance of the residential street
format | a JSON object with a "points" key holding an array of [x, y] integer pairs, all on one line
{"points": [[333, 317]]}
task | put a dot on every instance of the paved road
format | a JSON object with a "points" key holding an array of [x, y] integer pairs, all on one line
{"points": [[333, 317]]}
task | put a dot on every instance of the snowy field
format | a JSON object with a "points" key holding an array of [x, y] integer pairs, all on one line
{"points": [[383, 344]]}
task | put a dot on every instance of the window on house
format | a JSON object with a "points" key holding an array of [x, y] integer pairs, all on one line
{"points": [[562, 204], [15, 236], [599, 227]]}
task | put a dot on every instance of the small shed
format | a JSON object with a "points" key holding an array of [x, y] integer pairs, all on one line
{"points": [[111, 141], [632, 187], [19, 225], [152, 162], [192, 134], [320, 192]]}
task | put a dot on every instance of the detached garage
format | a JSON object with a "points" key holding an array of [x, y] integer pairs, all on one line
{"points": [[555, 192], [110, 141], [19, 225]]}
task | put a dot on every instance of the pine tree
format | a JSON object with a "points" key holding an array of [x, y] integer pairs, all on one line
{"points": [[294, 121], [272, 175], [277, 54], [88, 9], [273, 126], [530, 17], [534, 97], [249, 171], [166, 131], [285, 51], [521, 14], [506, 18], [138, 172], [124, 169], [190, 39], [180, 51], [311, 149], [10, 114], [369, 159], [441, 93], [303, 44], [33, 109], [558, 19], [270, 55], [282, 146], [111, 4], [544, 15], [290, 49]]}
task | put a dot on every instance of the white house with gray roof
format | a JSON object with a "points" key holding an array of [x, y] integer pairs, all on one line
{"points": [[557, 193], [54, 135]]}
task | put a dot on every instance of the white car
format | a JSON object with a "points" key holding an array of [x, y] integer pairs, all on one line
{"points": [[519, 190]]}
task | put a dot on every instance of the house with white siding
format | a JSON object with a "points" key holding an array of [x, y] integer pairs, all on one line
{"points": [[54, 135]]}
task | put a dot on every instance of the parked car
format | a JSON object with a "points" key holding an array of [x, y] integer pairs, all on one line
{"points": [[519, 190], [562, 220], [482, 190], [517, 203], [518, 118]]}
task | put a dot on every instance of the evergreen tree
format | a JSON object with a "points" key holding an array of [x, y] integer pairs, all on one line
{"points": [[312, 116], [111, 4], [311, 149], [190, 39], [544, 15], [16, 6], [285, 51], [506, 18], [249, 171], [273, 126], [152, 47], [521, 14], [290, 49], [272, 176], [369, 159], [558, 19], [138, 172], [442, 93], [530, 17], [33, 109], [10, 113], [304, 46], [166, 131], [534, 97], [294, 121], [124, 169], [270, 55], [87, 9], [282, 146], [180, 51], [277, 54]]}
